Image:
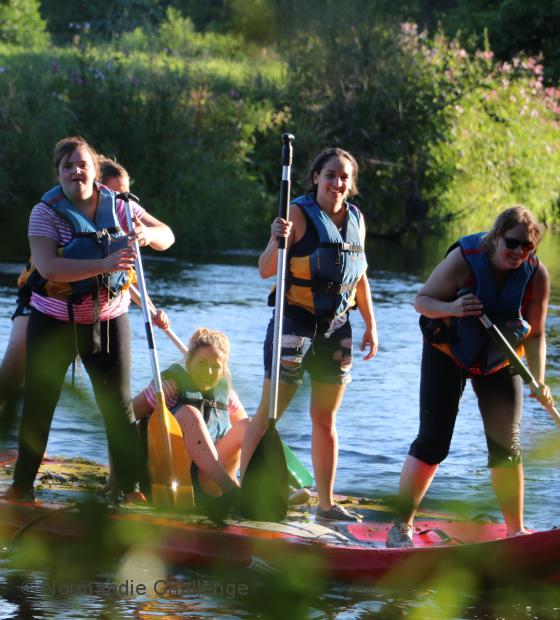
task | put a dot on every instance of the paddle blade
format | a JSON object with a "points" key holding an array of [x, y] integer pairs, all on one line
{"points": [[300, 476], [169, 463], [264, 490]]}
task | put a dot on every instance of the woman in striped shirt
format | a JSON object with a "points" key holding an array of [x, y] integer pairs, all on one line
{"points": [[95, 325]]}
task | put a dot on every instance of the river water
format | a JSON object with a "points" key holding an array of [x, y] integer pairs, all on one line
{"points": [[376, 423]]}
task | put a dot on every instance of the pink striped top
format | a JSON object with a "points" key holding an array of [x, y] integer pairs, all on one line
{"points": [[44, 222], [171, 395]]}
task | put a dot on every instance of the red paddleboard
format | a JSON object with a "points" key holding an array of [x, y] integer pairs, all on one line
{"points": [[340, 551]]}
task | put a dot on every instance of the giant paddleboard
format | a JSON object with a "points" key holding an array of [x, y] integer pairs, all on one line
{"points": [[339, 551]]}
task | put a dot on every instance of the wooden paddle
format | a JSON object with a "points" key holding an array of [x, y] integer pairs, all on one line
{"points": [[265, 485], [501, 342], [168, 462], [168, 332]]}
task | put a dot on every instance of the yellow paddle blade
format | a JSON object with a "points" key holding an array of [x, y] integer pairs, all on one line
{"points": [[168, 462]]}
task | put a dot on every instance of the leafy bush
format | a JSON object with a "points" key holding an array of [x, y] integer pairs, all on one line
{"points": [[443, 136], [21, 23], [187, 137], [414, 111], [514, 27], [102, 20], [501, 146]]}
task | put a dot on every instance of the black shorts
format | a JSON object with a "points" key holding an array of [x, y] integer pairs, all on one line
{"points": [[500, 401]]}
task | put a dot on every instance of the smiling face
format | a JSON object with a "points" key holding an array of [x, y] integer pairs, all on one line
{"points": [[513, 247], [206, 367], [334, 181], [76, 173]]}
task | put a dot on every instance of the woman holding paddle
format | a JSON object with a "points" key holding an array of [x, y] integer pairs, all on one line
{"points": [[498, 274], [326, 277], [12, 369], [80, 245], [210, 414]]}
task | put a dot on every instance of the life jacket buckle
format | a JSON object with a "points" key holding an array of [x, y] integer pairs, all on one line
{"points": [[332, 288], [101, 233]]}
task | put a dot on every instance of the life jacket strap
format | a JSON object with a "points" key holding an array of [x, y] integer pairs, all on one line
{"points": [[323, 287], [98, 234], [342, 246]]}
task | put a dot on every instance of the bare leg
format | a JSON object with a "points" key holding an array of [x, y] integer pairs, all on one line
{"points": [[508, 486], [202, 450], [325, 401], [416, 477], [259, 423], [229, 447]]}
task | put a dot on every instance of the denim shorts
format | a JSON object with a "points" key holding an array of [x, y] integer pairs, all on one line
{"points": [[327, 358], [218, 424]]}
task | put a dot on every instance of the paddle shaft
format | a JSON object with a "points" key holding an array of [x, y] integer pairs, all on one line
{"points": [[502, 343], [280, 276], [168, 332], [147, 323]]}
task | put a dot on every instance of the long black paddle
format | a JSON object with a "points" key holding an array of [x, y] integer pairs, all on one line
{"points": [[265, 486], [501, 342]]}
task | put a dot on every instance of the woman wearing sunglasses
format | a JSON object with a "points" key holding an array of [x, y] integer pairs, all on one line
{"points": [[497, 273]]}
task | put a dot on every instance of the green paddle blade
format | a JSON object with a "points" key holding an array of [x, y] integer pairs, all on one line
{"points": [[264, 490], [300, 476]]}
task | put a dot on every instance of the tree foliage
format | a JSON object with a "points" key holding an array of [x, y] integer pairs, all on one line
{"points": [[396, 96], [187, 137], [444, 134], [21, 23], [103, 20], [514, 27]]}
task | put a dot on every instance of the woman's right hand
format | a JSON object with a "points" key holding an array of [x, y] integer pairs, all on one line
{"points": [[281, 227], [543, 395], [466, 305], [121, 260], [161, 319]]}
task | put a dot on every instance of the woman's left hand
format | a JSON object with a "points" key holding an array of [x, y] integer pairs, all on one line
{"points": [[543, 395], [140, 232], [369, 342]]}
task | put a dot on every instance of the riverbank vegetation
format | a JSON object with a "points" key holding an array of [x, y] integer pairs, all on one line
{"points": [[192, 98]]}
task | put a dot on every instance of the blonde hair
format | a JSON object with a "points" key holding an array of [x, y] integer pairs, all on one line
{"points": [[508, 219], [204, 337]]}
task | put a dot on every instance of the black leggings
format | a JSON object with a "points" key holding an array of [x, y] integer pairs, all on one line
{"points": [[500, 401], [51, 348]]}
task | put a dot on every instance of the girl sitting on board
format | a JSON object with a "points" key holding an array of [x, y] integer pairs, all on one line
{"points": [[209, 412]]}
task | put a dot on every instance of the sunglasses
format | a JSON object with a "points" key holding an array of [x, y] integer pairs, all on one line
{"points": [[513, 244]]}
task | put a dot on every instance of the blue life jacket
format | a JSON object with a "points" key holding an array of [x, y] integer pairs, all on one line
{"points": [[466, 340], [213, 405], [324, 282], [91, 240]]}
